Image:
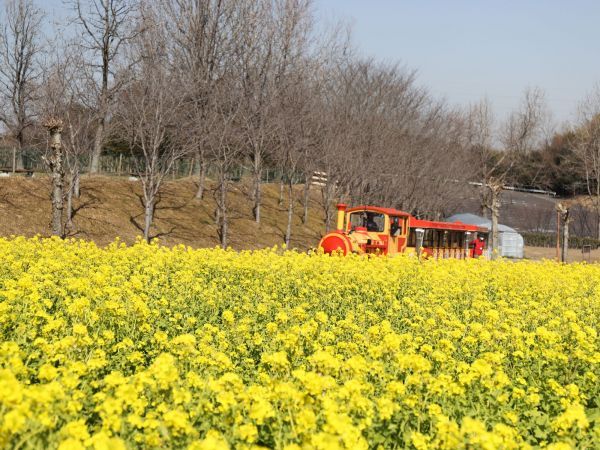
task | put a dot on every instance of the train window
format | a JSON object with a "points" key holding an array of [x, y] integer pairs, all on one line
{"points": [[452, 239], [396, 226], [412, 238], [444, 242], [375, 222], [370, 220], [436, 238], [356, 220], [428, 238]]}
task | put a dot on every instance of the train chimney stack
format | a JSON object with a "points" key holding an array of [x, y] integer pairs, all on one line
{"points": [[341, 213]]}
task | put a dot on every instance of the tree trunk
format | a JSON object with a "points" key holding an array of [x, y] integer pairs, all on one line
{"points": [[598, 219], [306, 200], [55, 161], [97, 149], [148, 216], [20, 159], [281, 186], [563, 216], [218, 217], [69, 223], [288, 231], [257, 191], [192, 164], [201, 179], [565, 236], [484, 212], [77, 184], [483, 194], [257, 198], [494, 249], [120, 164], [74, 191], [222, 211], [495, 212], [328, 217], [57, 203]]}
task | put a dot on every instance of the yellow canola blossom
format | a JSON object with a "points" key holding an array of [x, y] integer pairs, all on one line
{"points": [[145, 346]]}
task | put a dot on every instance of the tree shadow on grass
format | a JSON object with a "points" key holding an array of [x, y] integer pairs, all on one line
{"points": [[135, 219]]}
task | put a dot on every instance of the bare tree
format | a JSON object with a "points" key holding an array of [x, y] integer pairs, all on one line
{"points": [[78, 137], [269, 54], [520, 133], [55, 163], [51, 104], [106, 26], [586, 143], [333, 139], [148, 117], [388, 141], [488, 163], [78, 119], [200, 39], [257, 64], [331, 50], [59, 98], [479, 139], [20, 48], [225, 150], [292, 140]]}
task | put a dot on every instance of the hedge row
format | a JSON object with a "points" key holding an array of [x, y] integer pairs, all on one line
{"points": [[549, 240]]}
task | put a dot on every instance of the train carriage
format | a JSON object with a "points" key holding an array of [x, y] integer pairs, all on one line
{"points": [[377, 230]]}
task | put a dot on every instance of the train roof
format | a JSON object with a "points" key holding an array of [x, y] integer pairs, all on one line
{"points": [[454, 226], [379, 209], [418, 223]]}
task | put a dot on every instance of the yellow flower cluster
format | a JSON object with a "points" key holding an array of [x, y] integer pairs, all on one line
{"points": [[152, 347]]}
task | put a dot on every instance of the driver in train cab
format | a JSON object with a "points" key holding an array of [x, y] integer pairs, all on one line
{"points": [[395, 229], [371, 224]]}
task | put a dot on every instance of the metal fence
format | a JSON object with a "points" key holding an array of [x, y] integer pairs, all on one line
{"points": [[127, 165]]}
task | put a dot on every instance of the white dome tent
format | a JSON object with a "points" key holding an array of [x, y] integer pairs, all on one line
{"points": [[510, 241]]}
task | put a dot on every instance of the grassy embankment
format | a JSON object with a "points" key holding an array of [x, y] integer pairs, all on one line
{"points": [[111, 207]]}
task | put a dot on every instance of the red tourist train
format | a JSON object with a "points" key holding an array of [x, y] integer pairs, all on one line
{"points": [[387, 231]]}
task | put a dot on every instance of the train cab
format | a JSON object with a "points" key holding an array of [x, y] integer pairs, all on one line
{"points": [[368, 229]]}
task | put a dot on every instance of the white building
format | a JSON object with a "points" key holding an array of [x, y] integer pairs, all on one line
{"points": [[510, 241]]}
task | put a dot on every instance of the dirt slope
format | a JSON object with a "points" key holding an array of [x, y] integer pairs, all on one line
{"points": [[111, 207]]}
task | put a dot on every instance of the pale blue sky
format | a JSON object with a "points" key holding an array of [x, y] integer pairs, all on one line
{"points": [[466, 49]]}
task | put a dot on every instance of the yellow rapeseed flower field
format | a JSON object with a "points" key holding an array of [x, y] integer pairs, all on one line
{"points": [[152, 347]]}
